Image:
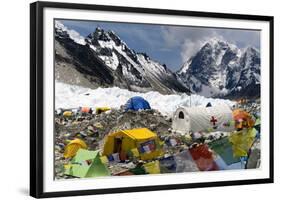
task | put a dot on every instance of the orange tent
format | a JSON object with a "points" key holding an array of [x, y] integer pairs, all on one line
{"points": [[242, 119], [86, 110]]}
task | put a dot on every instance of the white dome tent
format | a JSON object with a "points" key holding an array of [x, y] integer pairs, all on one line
{"points": [[203, 119]]}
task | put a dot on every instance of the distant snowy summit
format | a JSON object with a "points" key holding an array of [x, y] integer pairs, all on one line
{"points": [[218, 69], [221, 69], [103, 59]]}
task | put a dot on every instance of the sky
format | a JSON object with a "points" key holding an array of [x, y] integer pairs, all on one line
{"points": [[170, 45]]}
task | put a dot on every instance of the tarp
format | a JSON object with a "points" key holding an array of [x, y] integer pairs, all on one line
{"points": [[140, 142], [205, 119], [137, 103], [86, 164]]}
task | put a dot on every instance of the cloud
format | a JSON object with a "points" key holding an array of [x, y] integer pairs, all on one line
{"points": [[145, 35], [188, 39], [191, 39], [189, 48], [241, 38]]}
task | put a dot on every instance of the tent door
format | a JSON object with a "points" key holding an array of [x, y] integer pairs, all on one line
{"points": [[117, 145], [182, 122]]}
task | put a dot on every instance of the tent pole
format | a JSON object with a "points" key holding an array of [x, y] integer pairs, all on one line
{"points": [[189, 92]]}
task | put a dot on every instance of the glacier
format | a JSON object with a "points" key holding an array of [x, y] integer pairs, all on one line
{"points": [[72, 96]]}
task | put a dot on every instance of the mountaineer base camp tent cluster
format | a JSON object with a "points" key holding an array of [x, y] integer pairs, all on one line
{"points": [[143, 152]]}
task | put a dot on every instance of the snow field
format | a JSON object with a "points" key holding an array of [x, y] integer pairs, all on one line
{"points": [[71, 96]]}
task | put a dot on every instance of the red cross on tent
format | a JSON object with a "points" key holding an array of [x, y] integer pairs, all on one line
{"points": [[213, 120]]}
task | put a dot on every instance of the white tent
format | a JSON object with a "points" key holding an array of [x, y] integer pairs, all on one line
{"points": [[203, 119]]}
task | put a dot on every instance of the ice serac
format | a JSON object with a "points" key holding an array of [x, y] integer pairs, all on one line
{"points": [[104, 59], [221, 69]]}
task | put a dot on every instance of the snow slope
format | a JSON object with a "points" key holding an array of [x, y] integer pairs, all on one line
{"points": [[71, 96]]}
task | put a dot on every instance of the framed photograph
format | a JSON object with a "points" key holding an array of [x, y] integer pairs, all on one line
{"points": [[126, 99]]}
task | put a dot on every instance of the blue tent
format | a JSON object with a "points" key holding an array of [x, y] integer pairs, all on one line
{"points": [[137, 103]]}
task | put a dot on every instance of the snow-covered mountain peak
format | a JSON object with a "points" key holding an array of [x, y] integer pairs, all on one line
{"points": [[102, 36], [251, 51], [217, 69], [123, 67], [251, 57], [219, 66], [99, 34], [63, 31], [216, 41], [59, 25], [213, 47]]}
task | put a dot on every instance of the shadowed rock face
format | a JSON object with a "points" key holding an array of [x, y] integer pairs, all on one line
{"points": [[86, 61]]}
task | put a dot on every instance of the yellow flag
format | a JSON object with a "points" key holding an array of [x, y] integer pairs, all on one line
{"points": [[242, 141], [104, 159], [152, 167], [135, 152]]}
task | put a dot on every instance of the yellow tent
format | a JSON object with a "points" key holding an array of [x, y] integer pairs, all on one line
{"points": [[100, 110], [73, 146], [141, 139]]}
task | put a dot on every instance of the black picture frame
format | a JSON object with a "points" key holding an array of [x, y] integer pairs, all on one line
{"points": [[37, 98]]}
